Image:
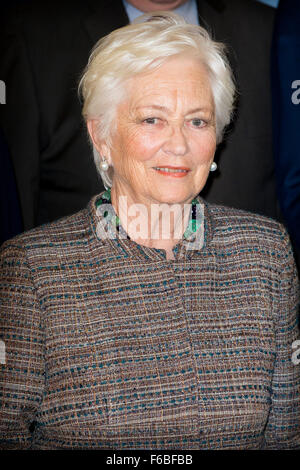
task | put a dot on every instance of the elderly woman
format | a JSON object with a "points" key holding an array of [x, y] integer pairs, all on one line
{"points": [[151, 319]]}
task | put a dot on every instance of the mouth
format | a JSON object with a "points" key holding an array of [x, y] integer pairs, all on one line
{"points": [[173, 171]]}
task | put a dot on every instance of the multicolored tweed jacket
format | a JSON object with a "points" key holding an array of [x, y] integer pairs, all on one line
{"points": [[111, 346]]}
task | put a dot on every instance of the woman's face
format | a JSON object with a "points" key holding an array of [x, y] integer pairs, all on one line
{"points": [[165, 139]]}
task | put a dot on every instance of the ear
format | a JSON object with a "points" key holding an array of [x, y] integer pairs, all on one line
{"points": [[100, 145]]}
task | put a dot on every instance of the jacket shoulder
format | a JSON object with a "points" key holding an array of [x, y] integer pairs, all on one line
{"points": [[67, 231], [237, 226]]}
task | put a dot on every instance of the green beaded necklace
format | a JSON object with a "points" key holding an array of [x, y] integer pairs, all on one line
{"points": [[193, 224]]}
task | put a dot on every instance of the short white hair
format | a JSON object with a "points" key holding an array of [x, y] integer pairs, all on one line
{"points": [[144, 45]]}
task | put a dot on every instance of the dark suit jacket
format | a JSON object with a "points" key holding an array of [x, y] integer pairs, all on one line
{"points": [[43, 51], [286, 111], [10, 215]]}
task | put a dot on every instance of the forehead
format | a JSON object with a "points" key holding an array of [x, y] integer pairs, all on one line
{"points": [[180, 79]]}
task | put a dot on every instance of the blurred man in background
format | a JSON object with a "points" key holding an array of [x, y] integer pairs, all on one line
{"points": [[44, 47]]}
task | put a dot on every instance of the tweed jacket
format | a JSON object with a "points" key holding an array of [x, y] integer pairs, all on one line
{"points": [[109, 345]]}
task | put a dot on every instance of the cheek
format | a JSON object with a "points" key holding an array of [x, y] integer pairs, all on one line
{"points": [[204, 148], [147, 145], [139, 148], [131, 155]]}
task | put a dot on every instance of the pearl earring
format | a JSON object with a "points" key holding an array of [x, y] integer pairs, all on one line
{"points": [[104, 165], [213, 166]]}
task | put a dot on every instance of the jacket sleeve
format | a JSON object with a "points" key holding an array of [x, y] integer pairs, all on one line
{"points": [[22, 348], [20, 116], [283, 427]]}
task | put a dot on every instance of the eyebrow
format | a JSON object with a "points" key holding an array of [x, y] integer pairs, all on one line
{"points": [[164, 108]]}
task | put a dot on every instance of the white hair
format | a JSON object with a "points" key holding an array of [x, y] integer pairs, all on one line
{"points": [[142, 46]]}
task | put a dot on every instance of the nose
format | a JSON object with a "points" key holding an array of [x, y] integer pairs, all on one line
{"points": [[176, 143]]}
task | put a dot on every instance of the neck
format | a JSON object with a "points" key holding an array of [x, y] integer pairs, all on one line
{"points": [[150, 223]]}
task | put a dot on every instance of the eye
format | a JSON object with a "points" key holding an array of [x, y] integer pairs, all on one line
{"points": [[197, 122], [151, 120]]}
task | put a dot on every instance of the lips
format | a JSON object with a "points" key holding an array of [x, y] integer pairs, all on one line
{"points": [[173, 171]]}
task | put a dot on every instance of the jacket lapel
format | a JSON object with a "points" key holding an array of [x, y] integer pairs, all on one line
{"points": [[218, 19], [104, 17], [210, 14]]}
